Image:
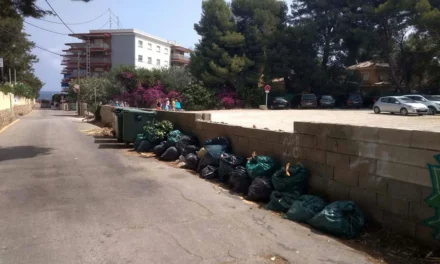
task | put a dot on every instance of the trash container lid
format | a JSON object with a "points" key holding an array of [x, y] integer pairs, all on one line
{"points": [[137, 111]]}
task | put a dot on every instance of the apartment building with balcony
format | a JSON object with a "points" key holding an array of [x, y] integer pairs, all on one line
{"points": [[100, 50]]}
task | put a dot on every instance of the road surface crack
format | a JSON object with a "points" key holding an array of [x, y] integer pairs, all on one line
{"points": [[193, 201], [179, 244]]}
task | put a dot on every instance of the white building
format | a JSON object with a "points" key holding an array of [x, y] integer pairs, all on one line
{"points": [[113, 47]]}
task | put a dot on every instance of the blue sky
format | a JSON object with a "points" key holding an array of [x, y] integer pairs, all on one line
{"points": [[169, 19]]}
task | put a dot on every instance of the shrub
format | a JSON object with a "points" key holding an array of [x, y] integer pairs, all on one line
{"points": [[197, 97], [151, 95], [6, 88]]}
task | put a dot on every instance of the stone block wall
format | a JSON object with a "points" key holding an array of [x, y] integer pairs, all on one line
{"points": [[22, 109], [383, 170], [6, 117], [107, 115]]}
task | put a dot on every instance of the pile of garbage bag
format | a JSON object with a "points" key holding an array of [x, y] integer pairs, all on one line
{"points": [[258, 179]]}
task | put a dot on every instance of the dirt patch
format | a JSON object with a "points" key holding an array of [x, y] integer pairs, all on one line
{"points": [[100, 132]]}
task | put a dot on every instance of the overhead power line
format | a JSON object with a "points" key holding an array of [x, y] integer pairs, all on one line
{"points": [[36, 46], [72, 24], [106, 23], [59, 17], [46, 29]]}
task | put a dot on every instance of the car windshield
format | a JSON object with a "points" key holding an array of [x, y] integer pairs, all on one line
{"points": [[327, 97], [406, 100], [308, 97], [432, 98], [354, 97], [280, 99]]}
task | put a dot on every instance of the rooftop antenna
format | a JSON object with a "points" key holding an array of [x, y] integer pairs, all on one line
{"points": [[110, 16]]}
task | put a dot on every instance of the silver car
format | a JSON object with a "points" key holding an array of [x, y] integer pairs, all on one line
{"points": [[432, 102], [399, 104]]}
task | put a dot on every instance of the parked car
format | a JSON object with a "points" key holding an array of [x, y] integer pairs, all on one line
{"points": [[352, 100], [305, 101], [278, 103], [326, 101], [431, 102], [369, 101], [399, 104]]}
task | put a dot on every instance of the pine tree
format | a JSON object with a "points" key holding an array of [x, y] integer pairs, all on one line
{"points": [[218, 58]]}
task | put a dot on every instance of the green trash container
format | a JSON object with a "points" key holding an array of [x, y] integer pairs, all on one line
{"points": [[134, 121], [117, 124]]}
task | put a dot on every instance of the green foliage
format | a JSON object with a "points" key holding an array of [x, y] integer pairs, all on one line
{"points": [[157, 132], [219, 56], [197, 97], [6, 88], [56, 98]]}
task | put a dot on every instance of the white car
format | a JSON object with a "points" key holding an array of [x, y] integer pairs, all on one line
{"points": [[399, 104], [432, 102]]}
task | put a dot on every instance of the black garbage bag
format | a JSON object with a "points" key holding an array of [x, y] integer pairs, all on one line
{"points": [[186, 141], [217, 141], [171, 154], [138, 141], [260, 166], [280, 202], [227, 164], [239, 180], [191, 161], [305, 207], [209, 173], [342, 218], [292, 179], [145, 146], [212, 156], [260, 190], [159, 150], [191, 149]]}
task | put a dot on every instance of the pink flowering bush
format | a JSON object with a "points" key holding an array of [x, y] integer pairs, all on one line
{"points": [[151, 95], [147, 97], [229, 98]]}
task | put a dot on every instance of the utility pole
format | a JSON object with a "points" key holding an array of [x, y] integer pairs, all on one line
{"points": [[79, 90], [110, 16], [10, 78], [117, 19], [15, 77]]}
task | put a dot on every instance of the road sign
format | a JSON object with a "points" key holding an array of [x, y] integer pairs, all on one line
{"points": [[267, 88], [1, 62]]}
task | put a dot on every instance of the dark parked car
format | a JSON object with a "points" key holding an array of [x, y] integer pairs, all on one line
{"points": [[353, 100], [369, 101], [326, 101], [278, 103], [305, 101]]}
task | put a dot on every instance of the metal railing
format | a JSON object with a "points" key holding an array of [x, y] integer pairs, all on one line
{"points": [[92, 45], [180, 57], [83, 60]]}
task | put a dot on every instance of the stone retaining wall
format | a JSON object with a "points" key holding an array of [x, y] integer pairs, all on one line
{"points": [[383, 170], [22, 109], [5, 118]]}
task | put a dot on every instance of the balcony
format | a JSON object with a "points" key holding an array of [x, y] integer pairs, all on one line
{"points": [[180, 58], [92, 74], [92, 46], [96, 60]]}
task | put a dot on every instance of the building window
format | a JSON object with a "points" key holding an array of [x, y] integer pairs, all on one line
{"points": [[365, 76], [150, 46], [158, 49], [140, 58], [166, 63], [140, 44], [158, 62], [166, 51], [150, 61]]}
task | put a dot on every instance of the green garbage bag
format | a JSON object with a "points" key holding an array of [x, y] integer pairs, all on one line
{"points": [[342, 218], [280, 202], [292, 179], [138, 141], [305, 207], [172, 138], [260, 166]]}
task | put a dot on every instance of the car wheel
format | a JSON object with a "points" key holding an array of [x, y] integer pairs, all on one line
{"points": [[376, 110], [432, 110], [421, 114], [403, 111], [392, 113]]}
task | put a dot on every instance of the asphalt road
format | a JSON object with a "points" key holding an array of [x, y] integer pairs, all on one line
{"points": [[66, 197]]}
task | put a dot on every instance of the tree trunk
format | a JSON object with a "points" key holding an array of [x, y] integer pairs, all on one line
{"points": [[326, 52]]}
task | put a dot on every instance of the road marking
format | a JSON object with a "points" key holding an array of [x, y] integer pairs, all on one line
{"points": [[6, 127]]}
